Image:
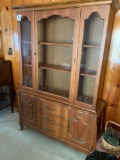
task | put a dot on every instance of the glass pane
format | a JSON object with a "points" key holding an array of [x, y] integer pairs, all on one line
{"points": [[56, 29], [90, 57], [86, 89], [89, 61], [54, 82], [26, 52], [93, 29], [55, 43], [56, 55]]}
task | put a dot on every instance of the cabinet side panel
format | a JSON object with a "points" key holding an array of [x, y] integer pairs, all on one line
{"points": [[106, 53]]}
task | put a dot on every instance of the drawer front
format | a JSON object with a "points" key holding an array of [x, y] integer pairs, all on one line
{"points": [[53, 119], [52, 108], [51, 130]]}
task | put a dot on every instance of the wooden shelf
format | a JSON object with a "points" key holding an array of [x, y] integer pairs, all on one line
{"points": [[4, 94], [91, 46], [54, 67], [91, 74], [55, 44], [26, 42]]}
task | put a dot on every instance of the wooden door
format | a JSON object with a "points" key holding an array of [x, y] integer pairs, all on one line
{"points": [[28, 109], [26, 32], [93, 31], [17, 2], [81, 129], [56, 51]]}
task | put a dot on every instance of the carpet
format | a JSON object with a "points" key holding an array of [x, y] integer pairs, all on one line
{"points": [[29, 144]]}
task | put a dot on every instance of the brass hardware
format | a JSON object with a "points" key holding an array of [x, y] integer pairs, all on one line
{"points": [[51, 109], [50, 120], [51, 130]]}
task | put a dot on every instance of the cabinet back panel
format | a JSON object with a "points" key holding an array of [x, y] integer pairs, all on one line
{"points": [[55, 29], [54, 82], [57, 55], [92, 25]]}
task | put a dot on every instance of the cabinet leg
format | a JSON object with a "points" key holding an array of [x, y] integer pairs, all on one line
{"points": [[21, 126]]}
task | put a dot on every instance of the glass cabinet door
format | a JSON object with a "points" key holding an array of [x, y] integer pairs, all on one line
{"points": [[26, 51], [92, 27], [55, 53]]}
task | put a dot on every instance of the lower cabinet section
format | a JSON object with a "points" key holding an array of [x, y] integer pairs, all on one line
{"points": [[72, 126]]}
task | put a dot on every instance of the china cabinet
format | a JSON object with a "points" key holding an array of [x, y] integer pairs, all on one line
{"points": [[63, 58]]}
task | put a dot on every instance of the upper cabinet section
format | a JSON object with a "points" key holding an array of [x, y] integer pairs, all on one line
{"points": [[56, 32], [92, 37]]}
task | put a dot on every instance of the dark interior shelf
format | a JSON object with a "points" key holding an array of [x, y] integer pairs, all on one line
{"points": [[55, 44], [54, 67], [3, 94]]}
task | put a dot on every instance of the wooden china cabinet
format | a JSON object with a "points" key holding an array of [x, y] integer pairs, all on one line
{"points": [[64, 50]]}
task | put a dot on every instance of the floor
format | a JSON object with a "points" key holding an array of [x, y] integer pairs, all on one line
{"points": [[28, 144]]}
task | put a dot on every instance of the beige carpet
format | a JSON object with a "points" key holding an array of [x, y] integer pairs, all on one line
{"points": [[28, 144]]}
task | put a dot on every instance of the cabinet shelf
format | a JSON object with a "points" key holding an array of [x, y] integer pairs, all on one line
{"points": [[55, 44], [91, 46], [91, 74], [54, 67], [26, 42]]}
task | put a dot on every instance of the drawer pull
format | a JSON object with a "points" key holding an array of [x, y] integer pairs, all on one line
{"points": [[51, 130], [50, 120], [50, 109]]}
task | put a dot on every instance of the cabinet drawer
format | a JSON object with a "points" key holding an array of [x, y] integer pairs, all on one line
{"points": [[52, 108], [52, 130], [53, 119]]}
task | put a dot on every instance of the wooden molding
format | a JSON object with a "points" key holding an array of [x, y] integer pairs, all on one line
{"points": [[1, 4], [70, 3]]}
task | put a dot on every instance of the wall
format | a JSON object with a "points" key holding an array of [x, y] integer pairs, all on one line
{"points": [[111, 92]]}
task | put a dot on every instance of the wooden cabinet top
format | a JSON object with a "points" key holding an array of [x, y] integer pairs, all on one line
{"points": [[36, 4]]}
